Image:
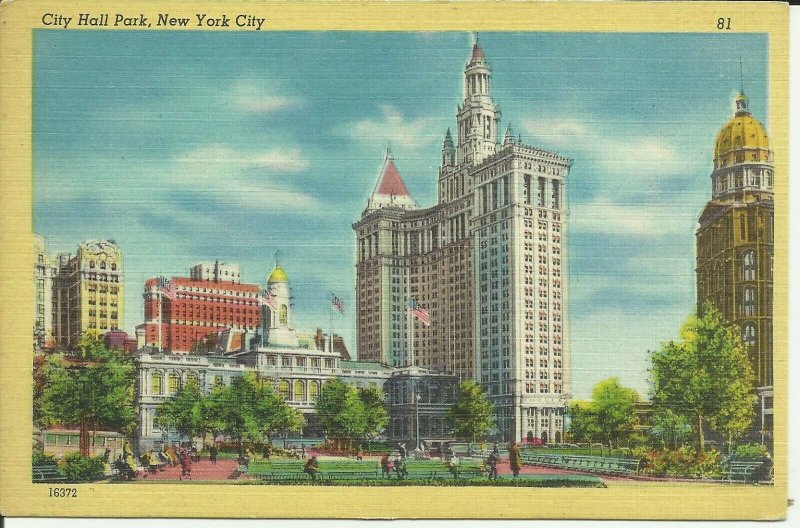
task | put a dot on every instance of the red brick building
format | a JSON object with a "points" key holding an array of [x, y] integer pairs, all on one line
{"points": [[189, 309]]}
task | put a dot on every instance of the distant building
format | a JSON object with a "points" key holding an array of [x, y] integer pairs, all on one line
{"points": [[88, 292], [735, 242], [297, 364], [418, 401], [119, 340], [488, 262], [43, 273], [212, 299]]}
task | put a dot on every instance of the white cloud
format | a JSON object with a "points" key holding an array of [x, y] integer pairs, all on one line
{"points": [[259, 99], [243, 177], [604, 217], [556, 132], [392, 127], [284, 159]]}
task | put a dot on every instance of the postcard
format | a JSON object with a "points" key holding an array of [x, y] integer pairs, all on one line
{"points": [[394, 260]]}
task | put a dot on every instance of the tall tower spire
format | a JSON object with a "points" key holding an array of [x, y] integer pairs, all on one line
{"points": [[478, 117]]}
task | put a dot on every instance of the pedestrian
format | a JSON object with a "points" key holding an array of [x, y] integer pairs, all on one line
{"points": [[492, 461], [514, 458], [386, 465], [400, 468], [303, 451], [311, 468], [267, 451], [403, 451], [496, 449], [212, 453], [359, 455], [186, 465], [453, 466], [106, 455]]}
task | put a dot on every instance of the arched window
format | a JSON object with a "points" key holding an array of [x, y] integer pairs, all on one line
{"points": [[173, 383], [749, 301], [284, 315], [299, 391], [156, 385], [749, 334], [313, 391], [749, 266], [284, 389]]}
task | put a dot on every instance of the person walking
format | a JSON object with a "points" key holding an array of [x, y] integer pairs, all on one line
{"points": [[267, 453], [453, 466], [403, 451], [186, 466], [514, 458], [492, 461], [303, 451], [212, 453]]}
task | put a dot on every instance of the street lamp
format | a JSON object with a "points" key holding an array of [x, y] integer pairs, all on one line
{"points": [[417, 398]]}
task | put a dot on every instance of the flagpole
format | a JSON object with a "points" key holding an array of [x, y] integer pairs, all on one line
{"points": [[160, 298], [330, 325]]}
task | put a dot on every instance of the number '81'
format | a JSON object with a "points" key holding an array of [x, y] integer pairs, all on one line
{"points": [[723, 23]]}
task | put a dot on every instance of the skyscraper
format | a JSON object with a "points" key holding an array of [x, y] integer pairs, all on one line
{"points": [[43, 294], [486, 262], [735, 241], [88, 292]]}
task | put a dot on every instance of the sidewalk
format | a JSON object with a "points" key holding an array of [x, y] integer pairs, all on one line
{"points": [[203, 470]]}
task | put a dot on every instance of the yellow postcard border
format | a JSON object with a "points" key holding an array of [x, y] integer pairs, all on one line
{"points": [[19, 497]]}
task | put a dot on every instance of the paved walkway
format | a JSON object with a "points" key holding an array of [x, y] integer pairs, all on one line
{"points": [[203, 470]]}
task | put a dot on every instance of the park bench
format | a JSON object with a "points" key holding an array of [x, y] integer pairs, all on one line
{"points": [[742, 470], [47, 472], [589, 464]]}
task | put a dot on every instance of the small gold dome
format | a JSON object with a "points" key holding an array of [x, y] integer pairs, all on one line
{"points": [[742, 139], [277, 275]]}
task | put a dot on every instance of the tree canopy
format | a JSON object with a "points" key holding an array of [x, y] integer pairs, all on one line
{"points": [[248, 410], [471, 414], [609, 416], [94, 390], [706, 376]]}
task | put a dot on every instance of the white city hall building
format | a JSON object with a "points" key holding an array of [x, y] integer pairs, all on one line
{"points": [[488, 262]]}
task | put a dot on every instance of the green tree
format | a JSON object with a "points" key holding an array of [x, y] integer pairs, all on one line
{"points": [[186, 412], [92, 390], [471, 414], [706, 376], [669, 429], [583, 424], [736, 414], [248, 410], [375, 415], [613, 407], [342, 411]]}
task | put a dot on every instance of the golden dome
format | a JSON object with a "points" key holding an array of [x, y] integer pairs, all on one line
{"points": [[277, 275], [742, 139]]}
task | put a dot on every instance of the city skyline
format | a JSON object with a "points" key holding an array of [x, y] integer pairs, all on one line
{"points": [[629, 169]]}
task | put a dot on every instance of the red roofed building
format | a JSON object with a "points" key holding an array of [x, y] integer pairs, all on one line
{"points": [[192, 308]]}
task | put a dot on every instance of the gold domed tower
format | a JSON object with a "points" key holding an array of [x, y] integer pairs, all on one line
{"points": [[735, 240]]}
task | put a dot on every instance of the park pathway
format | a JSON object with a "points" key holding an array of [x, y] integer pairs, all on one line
{"points": [[203, 470]]}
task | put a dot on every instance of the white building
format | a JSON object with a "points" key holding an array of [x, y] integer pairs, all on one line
{"points": [[298, 364], [216, 271], [486, 261]]}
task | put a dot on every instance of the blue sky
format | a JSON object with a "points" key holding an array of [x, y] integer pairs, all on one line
{"points": [[192, 146]]}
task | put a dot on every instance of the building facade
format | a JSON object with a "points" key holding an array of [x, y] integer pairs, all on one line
{"points": [[211, 299], [486, 262], [43, 273], [88, 292], [735, 241], [418, 401], [298, 364]]}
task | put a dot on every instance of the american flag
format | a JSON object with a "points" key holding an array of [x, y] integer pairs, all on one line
{"points": [[420, 313], [337, 304], [167, 288], [269, 300]]}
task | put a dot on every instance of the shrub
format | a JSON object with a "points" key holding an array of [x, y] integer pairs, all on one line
{"points": [[78, 468], [684, 462], [751, 451], [38, 457]]}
